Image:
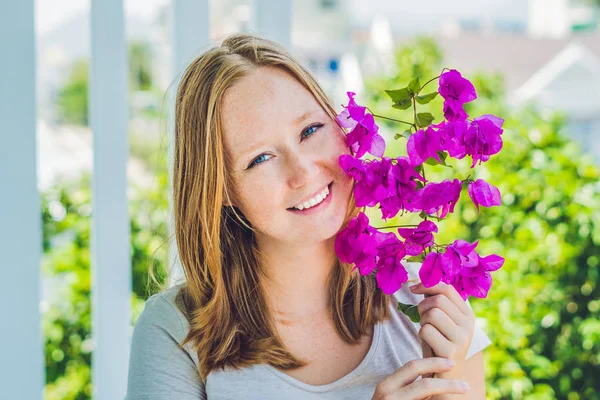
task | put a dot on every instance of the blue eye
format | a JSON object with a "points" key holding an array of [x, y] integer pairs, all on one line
{"points": [[256, 161], [315, 127]]}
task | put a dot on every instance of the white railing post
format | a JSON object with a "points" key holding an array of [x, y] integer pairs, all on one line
{"points": [[191, 36], [111, 263], [21, 340], [272, 19]]}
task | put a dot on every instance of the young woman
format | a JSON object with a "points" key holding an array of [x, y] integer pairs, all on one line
{"points": [[268, 311]]}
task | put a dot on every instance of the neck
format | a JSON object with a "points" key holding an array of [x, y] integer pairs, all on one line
{"points": [[296, 281]]}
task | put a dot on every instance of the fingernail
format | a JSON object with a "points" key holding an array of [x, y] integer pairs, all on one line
{"points": [[464, 385], [413, 287], [450, 363]]}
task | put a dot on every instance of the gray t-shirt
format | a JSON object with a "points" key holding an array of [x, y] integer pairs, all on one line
{"points": [[159, 370]]}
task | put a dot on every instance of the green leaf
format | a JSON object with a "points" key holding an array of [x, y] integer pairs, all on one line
{"points": [[399, 95], [419, 258], [424, 119], [403, 105], [402, 98], [426, 98], [406, 134], [433, 161], [414, 86], [411, 311]]}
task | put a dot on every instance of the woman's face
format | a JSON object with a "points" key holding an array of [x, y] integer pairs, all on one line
{"points": [[284, 150]]}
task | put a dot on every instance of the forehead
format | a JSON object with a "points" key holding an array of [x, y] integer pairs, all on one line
{"points": [[260, 102]]}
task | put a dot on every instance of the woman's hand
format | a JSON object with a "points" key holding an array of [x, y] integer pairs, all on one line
{"points": [[447, 325], [402, 385]]}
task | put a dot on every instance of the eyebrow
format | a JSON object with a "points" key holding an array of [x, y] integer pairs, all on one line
{"points": [[304, 116]]}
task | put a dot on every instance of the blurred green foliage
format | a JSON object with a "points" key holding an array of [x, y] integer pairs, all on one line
{"points": [[72, 99], [66, 211], [542, 313]]}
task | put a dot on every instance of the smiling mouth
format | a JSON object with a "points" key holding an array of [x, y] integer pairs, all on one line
{"points": [[316, 206]]}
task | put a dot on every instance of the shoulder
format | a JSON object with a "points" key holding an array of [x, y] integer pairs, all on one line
{"points": [[161, 319], [159, 367], [161, 308]]}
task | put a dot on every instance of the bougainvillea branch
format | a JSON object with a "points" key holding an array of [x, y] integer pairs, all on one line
{"points": [[399, 185]]}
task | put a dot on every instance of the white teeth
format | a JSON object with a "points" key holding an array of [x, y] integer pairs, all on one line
{"points": [[315, 200]]}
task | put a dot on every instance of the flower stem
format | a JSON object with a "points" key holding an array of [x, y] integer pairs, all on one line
{"points": [[428, 82], [397, 226], [415, 111], [391, 119]]}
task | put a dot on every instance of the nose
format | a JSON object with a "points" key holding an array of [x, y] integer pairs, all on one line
{"points": [[302, 170]]}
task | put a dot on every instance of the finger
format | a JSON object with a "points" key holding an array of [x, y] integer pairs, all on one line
{"points": [[438, 342], [415, 368], [443, 323], [447, 290], [443, 303], [434, 386], [427, 352]]}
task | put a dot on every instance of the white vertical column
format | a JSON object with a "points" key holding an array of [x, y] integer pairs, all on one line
{"points": [[272, 19], [21, 340], [111, 264], [191, 36]]}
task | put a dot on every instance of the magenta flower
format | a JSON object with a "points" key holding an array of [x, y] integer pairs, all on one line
{"points": [[454, 114], [445, 267], [456, 91], [352, 166], [482, 138], [459, 254], [374, 181], [391, 274], [439, 198], [476, 281], [461, 267], [424, 144], [405, 185], [357, 244], [452, 137], [363, 138], [417, 239], [482, 193], [432, 270]]}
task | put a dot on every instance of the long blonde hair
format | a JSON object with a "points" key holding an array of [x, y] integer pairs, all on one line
{"points": [[230, 323]]}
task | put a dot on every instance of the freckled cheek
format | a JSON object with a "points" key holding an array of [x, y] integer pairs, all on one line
{"points": [[336, 146], [258, 197]]}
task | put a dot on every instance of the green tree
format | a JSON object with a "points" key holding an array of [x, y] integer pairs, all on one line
{"points": [[542, 313], [72, 99], [140, 62]]}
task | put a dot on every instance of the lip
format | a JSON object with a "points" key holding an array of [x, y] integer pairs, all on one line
{"points": [[318, 207], [313, 195]]}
